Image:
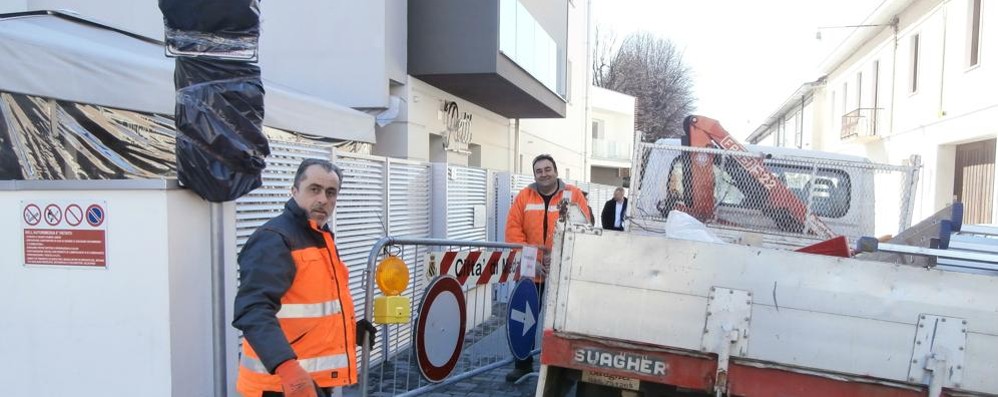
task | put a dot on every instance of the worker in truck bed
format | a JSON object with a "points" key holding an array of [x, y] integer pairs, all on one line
{"points": [[531, 221]]}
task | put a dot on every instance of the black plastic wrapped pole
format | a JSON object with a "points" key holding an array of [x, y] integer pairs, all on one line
{"points": [[219, 114]]}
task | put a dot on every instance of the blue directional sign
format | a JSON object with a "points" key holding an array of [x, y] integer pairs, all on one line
{"points": [[521, 323]]}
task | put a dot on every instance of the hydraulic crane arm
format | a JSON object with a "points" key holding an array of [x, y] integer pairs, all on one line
{"points": [[705, 132]]}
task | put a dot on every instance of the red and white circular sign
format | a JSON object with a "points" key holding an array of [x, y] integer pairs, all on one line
{"points": [[440, 328]]}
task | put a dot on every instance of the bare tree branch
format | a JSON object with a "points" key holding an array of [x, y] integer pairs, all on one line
{"points": [[650, 69]]}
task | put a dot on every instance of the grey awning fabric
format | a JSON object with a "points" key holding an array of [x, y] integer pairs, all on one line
{"points": [[60, 57]]}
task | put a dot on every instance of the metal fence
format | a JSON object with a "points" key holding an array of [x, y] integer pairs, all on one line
{"points": [[485, 345], [795, 196]]}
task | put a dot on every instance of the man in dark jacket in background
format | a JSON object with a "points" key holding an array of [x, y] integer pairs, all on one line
{"points": [[614, 211]]}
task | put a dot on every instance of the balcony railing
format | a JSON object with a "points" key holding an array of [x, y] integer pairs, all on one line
{"points": [[860, 124], [611, 150]]}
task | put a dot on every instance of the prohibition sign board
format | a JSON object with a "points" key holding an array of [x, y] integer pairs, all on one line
{"points": [[440, 328], [59, 233]]}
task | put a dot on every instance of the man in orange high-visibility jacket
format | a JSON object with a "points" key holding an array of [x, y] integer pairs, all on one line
{"points": [[293, 304], [531, 220]]}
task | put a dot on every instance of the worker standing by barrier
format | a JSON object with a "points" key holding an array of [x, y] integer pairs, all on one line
{"points": [[294, 304], [531, 220]]}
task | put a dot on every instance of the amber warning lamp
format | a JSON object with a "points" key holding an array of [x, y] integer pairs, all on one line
{"points": [[392, 276]]}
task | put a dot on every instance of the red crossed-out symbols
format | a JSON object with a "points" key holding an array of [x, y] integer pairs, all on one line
{"points": [[74, 215], [52, 215], [32, 214]]}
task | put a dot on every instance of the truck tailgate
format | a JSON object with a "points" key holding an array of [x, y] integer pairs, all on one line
{"points": [[814, 313]]}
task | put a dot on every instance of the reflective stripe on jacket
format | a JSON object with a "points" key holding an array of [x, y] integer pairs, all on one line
{"points": [[532, 222], [294, 303]]}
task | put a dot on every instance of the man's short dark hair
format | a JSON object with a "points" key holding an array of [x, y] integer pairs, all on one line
{"points": [[325, 164], [544, 157]]}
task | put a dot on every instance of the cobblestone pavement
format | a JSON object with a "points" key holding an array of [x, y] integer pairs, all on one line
{"points": [[486, 344], [491, 383]]}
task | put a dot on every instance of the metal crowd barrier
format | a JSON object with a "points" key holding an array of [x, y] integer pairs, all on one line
{"points": [[390, 368]]}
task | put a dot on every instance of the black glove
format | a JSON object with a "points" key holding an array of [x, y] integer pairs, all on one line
{"points": [[365, 326]]}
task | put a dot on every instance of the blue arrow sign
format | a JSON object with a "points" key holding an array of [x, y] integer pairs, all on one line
{"points": [[524, 307]]}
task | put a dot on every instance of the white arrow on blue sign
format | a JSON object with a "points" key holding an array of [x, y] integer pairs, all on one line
{"points": [[522, 317]]}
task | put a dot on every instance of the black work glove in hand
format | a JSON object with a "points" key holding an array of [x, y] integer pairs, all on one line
{"points": [[365, 326]]}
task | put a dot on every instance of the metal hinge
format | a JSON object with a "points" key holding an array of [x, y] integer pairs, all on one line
{"points": [[726, 329], [938, 351]]}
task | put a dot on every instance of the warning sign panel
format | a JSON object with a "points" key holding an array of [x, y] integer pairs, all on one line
{"points": [[55, 233]]}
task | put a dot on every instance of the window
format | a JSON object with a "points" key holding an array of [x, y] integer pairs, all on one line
{"points": [[568, 84], [876, 84], [833, 111], [524, 41], [830, 190], [914, 64], [845, 98], [598, 131], [859, 90], [975, 32]]}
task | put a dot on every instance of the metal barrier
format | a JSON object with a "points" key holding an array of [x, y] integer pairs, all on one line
{"points": [[394, 370]]}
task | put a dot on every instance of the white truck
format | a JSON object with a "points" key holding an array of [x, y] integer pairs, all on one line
{"points": [[637, 313]]}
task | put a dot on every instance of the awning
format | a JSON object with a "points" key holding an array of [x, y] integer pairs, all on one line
{"points": [[58, 56]]}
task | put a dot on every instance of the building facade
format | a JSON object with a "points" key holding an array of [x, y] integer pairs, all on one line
{"points": [[613, 135], [486, 83], [916, 83]]}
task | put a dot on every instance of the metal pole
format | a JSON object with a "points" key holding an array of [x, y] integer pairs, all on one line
{"points": [[218, 300]]}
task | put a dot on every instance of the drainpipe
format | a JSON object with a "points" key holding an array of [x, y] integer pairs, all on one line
{"points": [[586, 135], [803, 98], [942, 68], [894, 75], [516, 146]]}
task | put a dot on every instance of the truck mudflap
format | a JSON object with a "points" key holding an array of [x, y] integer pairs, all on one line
{"points": [[620, 364]]}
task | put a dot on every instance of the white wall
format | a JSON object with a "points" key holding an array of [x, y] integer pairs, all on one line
{"points": [[138, 16], [397, 35], [143, 323], [337, 50], [13, 6], [616, 112], [568, 139], [489, 130]]}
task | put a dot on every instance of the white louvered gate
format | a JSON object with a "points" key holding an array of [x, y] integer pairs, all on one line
{"points": [[460, 199], [408, 216], [267, 201], [507, 186], [380, 197]]}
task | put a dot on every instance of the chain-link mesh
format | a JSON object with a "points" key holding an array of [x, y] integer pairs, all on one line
{"points": [[795, 196]]}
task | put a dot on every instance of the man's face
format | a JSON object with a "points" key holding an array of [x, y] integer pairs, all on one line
{"points": [[316, 193], [544, 174], [618, 195]]}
